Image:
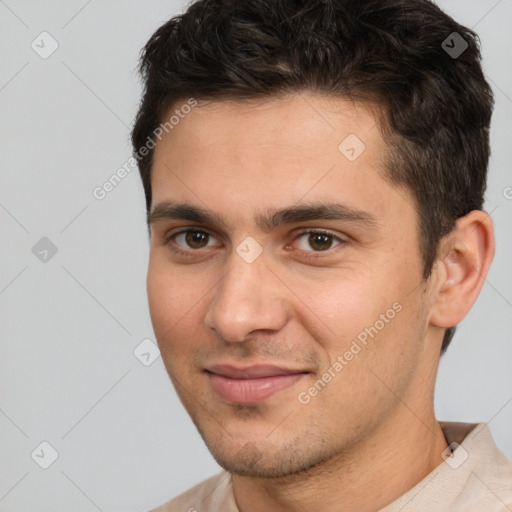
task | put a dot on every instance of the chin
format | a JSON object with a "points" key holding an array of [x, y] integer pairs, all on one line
{"points": [[253, 460]]}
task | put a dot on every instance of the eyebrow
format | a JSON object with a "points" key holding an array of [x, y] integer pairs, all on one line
{"points": [[268, 220]]}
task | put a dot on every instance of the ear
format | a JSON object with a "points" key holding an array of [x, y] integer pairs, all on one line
{"points": [[463, 261]]}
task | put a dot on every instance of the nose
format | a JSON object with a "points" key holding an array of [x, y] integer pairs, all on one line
{"points": [[250, 297]]}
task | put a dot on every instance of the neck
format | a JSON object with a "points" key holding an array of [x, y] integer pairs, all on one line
{"points": [[373, 474]]}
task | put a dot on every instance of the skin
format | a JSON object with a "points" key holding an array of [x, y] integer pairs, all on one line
{"points": [[374, 422]]}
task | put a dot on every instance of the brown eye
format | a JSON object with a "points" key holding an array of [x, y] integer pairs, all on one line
{"points": [[320, 241], [196, 239], [317, 241], [191, 239]]}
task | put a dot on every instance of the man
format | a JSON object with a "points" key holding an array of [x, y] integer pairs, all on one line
{"points": [[314, 175]]}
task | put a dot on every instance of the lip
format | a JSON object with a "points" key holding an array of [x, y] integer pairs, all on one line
{"points": [[251, 384]]}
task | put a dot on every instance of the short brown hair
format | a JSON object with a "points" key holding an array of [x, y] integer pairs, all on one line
{"points": [[400, 54]]}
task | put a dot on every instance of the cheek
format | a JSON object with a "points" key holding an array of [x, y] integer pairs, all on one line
{"points": [[363, 316], [343, 303], [174, 301]]}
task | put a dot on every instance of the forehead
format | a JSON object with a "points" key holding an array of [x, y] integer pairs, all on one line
{"points": [[312, 122], [272, 153]]}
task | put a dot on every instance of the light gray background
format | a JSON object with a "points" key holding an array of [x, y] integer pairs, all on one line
{"points": [[69, 326]]}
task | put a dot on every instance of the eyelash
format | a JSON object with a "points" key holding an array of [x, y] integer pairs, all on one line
{"points": [[314, 254]]}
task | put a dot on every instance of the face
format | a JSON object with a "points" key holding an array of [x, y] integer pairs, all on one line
{"points": [[287, 297]]}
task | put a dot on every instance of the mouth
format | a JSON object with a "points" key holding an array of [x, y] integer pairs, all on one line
{"points": [[252, 384]]}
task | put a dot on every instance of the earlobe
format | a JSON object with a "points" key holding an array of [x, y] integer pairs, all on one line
{"points": [[464, 259]]}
